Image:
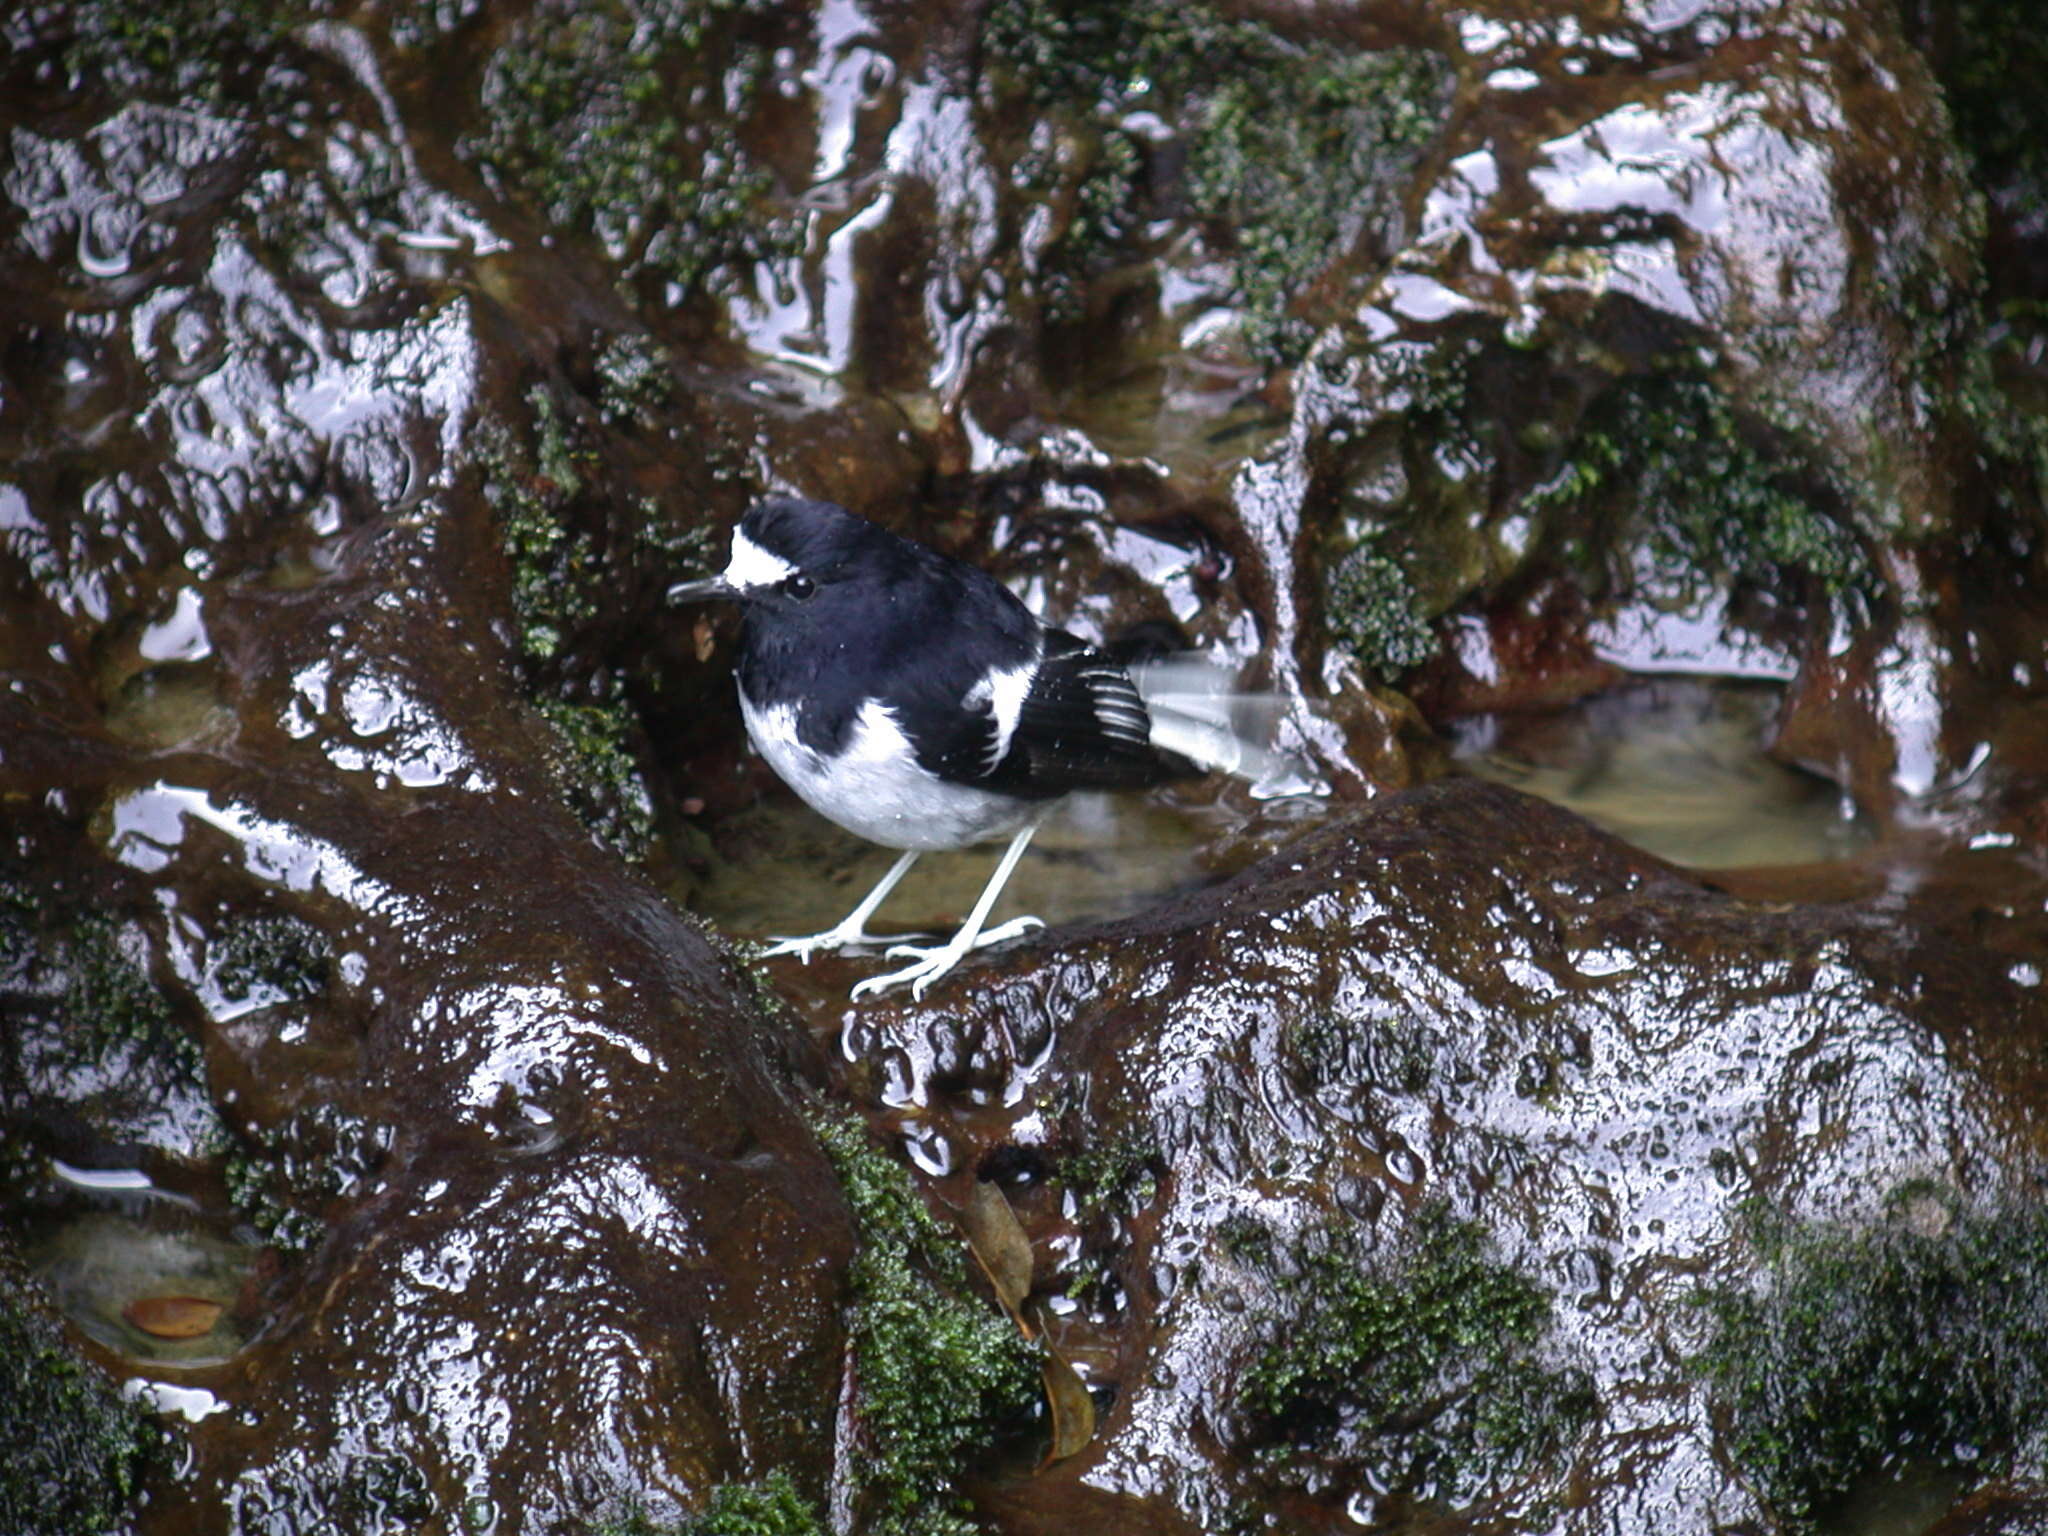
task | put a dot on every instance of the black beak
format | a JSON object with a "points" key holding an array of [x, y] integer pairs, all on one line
{"points": [[700, 591]]}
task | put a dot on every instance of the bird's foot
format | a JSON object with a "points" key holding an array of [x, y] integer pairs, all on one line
{"points": [[845, 936], [936, 960], [1015, 928], [931, 965]]}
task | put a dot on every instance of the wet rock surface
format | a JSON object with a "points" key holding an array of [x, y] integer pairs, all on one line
{"points": [[1458, 1004], [386, 1123], [547, 1148]]}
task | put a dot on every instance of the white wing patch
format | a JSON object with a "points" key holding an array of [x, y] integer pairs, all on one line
{"points": [[1007, 691], [752, 567]]}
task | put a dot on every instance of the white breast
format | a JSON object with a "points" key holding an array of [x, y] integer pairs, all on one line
{"points": [[876, 789]]}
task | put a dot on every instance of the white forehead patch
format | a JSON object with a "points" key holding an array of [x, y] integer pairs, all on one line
{"points": [[752, 566]]}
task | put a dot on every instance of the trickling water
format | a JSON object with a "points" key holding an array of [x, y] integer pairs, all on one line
{"points": [[1674, 765], [147, 1286], [788, 871]]}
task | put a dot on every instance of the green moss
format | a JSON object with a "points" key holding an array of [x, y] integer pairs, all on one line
{"points": [[557, 573], [590, 117], [942, 1377], [1110, 1184], [568, 539], [72, 1454], [636, 380], [285, 1179], [599, 775], [1411, 497], [1374, 613], [1120, 1172], [107, 1002], [180, 47], [559, 461], [111, 998], [1660, 458], [18, 912], [1955, 353], [274, 956], [1300, 158], [1391, 1051], [771, 1507], [1422, 1365], [1922, 1339], [77, 1000], [1294, 149]]}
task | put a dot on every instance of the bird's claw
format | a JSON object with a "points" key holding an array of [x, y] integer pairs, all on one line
{"points": [[1015, 928], [935, 961], [931, 965], [802, 948]]}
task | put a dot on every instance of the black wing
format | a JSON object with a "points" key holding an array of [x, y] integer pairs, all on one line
{"points": [[1081, 726]]}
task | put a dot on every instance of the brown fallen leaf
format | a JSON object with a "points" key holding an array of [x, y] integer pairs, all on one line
{"points": [[173, 1317], [997, 1240], [1072, 1409]]}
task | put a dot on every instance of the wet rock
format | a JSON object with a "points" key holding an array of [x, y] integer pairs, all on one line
{"points": [[93, 1052], [560, 1238], [2004, 1510], [370, 376], [1585, 369], [1262, 1113]]}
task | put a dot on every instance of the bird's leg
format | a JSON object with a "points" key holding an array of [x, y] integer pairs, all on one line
{"points": [[854, 928], [935, 962]]}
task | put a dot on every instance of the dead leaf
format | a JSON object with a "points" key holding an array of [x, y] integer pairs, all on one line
{"points": [[1072, 1409], [173, 1317], [1000, 1247]]}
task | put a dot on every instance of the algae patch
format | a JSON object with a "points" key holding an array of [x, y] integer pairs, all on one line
{"points": [[1292, 152], [1921, 1341], [943, 1377], [771, 1507], [72, 1454], [1421, 1372]]}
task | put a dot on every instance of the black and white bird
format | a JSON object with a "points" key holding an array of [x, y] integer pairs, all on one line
{"points": [[917, 702]]}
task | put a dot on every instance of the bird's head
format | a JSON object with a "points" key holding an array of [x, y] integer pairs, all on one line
{"points": [[785, 551]]}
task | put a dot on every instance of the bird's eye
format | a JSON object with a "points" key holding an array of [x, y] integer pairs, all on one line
{"points": [[799, 586]]}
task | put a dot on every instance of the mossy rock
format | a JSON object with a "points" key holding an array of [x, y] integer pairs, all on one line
{"points": [[598, 773], [1662, 461], [86, 1034], [1920, 1340], [72, 1453], [1421, 1371], [770, 1507], [589, 118], [1374, 612], [1291, 152], [944, 1378]]}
